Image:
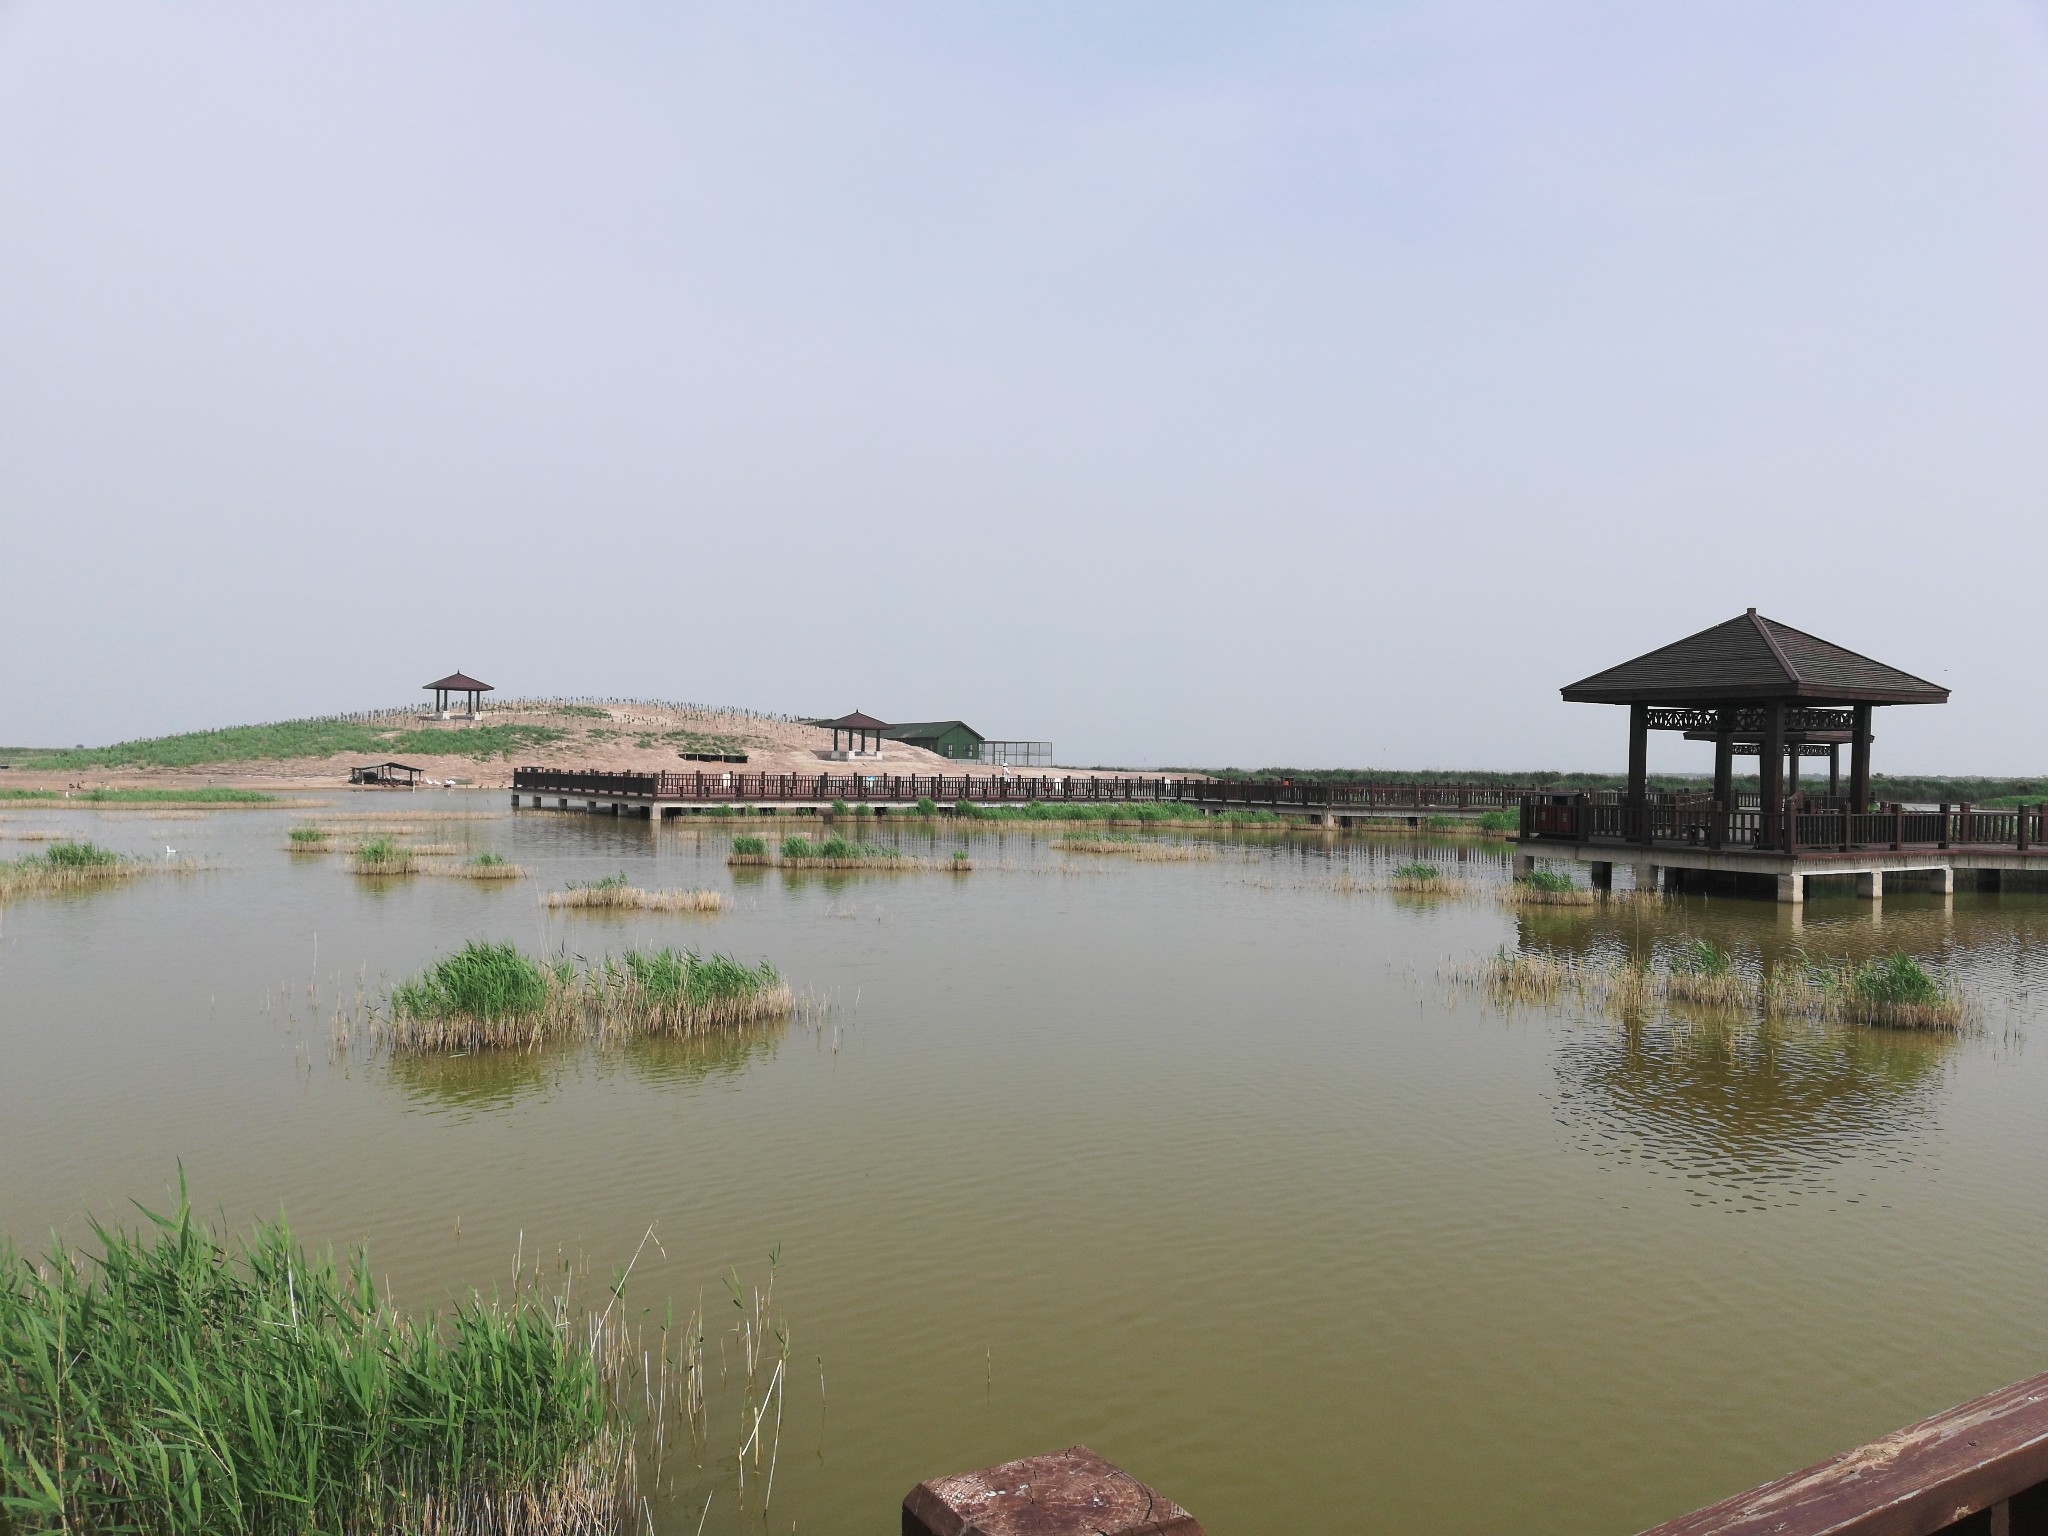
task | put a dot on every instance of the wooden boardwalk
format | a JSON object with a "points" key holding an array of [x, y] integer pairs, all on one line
{"points": [[659, 794], [1806, 838]]}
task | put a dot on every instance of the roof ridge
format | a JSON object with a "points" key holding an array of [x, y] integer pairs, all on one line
{"points": [[1763, 627]]}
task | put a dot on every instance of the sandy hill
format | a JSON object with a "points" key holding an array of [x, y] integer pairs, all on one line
{"points": [[551, 733]]}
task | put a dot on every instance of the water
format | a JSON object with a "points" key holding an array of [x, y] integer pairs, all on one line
{"points": [[1206, 1165]]}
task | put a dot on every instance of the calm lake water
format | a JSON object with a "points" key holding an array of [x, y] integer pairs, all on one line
{"points": [[1207, 1165]]}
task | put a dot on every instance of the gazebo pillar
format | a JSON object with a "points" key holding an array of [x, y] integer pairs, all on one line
{"points": [[1834, 770], [1724, 760], [1638, 753], [1792, 771], [1771, 769], [1859, 761]]}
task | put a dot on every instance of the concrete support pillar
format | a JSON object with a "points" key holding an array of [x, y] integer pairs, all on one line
{"points": [[562, 804], [1943, 880], [1525, 864], [1649, 877], [1326, 819], [1602, 874], [1792, 888], [1870, 884]]}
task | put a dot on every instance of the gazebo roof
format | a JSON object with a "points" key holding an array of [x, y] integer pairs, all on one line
{"points": [[855, 722], [1753, 658], [458, 682]]}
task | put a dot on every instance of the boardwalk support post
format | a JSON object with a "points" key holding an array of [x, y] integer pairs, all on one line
{"points": [[1792, 889], [1068, 1493], [1870, 884]]}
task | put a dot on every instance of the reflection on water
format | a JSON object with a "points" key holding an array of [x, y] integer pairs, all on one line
{"points": [[1200, 1163], [477, 1081], [1750, 1111]]}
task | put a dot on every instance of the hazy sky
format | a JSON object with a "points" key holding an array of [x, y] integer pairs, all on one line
{"points": [[1184, 382]]}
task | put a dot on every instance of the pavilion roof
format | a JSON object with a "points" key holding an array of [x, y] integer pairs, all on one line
{"points": [[1752, 658], [855, 722], [459, 682]]}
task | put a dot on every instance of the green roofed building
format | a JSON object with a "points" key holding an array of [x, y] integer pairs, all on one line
{"points": [[949, 738]]}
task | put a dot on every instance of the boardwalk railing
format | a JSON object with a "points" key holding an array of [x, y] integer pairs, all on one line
{"points": [[1980, 1469], [1803, 825], [985, 789]]}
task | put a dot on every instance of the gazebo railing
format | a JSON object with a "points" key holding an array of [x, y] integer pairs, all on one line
{"points": [[1697, 821]]}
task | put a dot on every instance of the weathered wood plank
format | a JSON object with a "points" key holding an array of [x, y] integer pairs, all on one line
{"points": [[1925, 1478]]}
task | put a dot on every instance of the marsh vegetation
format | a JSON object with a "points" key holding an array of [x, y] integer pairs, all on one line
{"points": [[492, 996], [1892, 992], [617, 894]]}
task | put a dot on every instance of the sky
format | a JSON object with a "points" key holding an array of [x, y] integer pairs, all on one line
{"points": [[1181, 382]]}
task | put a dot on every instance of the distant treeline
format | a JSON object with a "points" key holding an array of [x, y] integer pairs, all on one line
{"points": [[1883, 786]]}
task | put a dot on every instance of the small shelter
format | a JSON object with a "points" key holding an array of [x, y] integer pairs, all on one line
{"points": [[856, 727], [387, 775], [948, 738], [1756, 686], [457, 682]]}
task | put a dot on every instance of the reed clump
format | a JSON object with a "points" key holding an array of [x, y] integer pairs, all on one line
{"points": [[799, 852], [1547, 888], [309, 840], [748, 849], [615, 894], [491, 996], [73, 866], [382, 856], [485, 866], [1134, 847], [1419, 879], [1895, 992], [182, 1384]]}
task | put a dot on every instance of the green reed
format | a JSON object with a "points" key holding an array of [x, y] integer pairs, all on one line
{"points": [[177, 1383], [492, 996]]}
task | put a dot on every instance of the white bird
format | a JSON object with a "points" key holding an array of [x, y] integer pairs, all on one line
{"points": [[169, 850]]}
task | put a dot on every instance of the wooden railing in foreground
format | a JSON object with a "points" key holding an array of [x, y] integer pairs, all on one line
{"points": [[982, 789], [1980, 1469]]}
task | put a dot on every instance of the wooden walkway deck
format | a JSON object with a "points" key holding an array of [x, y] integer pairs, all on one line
{"points": [[661, 793], [1690, 832]]}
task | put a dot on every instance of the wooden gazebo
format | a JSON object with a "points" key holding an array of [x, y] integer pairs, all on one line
{"points": [[457, 682], [863, 728], [1754, 686]]}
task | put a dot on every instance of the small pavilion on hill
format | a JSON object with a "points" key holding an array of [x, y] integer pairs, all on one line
{"points": [[1756, 687], [856, 727], [457, 682]]}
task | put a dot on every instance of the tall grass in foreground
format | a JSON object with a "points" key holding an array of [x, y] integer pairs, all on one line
{"points": [[488, 996], [1896, 992], [176, 1384]]}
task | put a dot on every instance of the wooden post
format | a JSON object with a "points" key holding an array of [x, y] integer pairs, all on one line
{"points": [[1069, 1493], [1859, 761], [1834, 770], [1639, 768], [1941, 833], [1771, 767], [1724, 762]]}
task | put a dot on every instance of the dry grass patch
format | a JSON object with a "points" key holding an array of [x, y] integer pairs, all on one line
{"points": [[485, 866], [1135, 848], [615, 895]]}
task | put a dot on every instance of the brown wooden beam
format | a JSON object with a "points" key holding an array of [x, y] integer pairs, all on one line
{"points": [[1638, 753], [1771, 769], [1859, 761]]}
